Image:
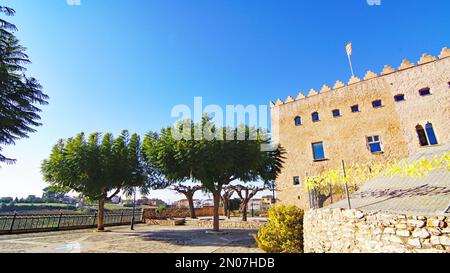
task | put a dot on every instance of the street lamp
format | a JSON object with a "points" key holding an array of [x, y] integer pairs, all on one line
{"points": [[134, 204], [134, 208]]}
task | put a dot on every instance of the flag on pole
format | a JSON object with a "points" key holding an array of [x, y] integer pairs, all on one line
{"points": [[349, 49]]}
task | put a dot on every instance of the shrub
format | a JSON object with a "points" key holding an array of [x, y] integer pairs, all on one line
{"points": [[283, 232], [160, 209]]}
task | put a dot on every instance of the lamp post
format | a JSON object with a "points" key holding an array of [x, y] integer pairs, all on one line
{"points": [[134, 208], [253, 211], [134, 204]]}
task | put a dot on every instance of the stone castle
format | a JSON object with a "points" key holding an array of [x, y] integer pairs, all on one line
{"points": [[379, 118]]}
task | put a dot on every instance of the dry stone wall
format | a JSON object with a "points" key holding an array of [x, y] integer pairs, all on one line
{"points": [[354, 231]]}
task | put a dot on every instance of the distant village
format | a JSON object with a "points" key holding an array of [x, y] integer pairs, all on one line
{"points": [[52, 199]]}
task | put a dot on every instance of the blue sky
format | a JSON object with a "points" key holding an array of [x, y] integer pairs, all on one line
{"points": [[109, 64]]}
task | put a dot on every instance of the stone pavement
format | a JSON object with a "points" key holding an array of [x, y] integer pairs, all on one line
{"points": [[145, 239]]}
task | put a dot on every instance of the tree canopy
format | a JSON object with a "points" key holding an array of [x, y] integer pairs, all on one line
{"points": [[20, 95], [213, 162], [98, 166]]}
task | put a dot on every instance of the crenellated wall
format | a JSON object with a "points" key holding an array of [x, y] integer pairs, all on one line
{"points": [[387, 70], [345, 137]]}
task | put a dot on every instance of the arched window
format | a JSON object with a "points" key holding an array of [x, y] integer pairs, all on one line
{"points": [[298, 121], [422, 135], [315, 117], [432, 139]]}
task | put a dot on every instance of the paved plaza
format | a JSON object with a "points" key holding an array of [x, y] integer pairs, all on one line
{"points": [[144, 239]]}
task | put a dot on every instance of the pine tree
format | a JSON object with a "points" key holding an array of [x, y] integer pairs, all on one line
{"points": [[19, 94]]}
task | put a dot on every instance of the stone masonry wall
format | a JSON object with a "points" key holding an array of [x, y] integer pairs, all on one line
{"points": [[353, 231]]}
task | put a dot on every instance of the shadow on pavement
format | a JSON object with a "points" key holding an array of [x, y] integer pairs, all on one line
{"points": [[200, 237]]}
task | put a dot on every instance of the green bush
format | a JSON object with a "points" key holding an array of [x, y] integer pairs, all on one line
{"points": [[160, 210], [283, 232]]}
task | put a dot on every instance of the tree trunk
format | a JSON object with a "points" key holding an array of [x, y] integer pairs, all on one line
{"points": [[101, 210], [244, 212], [216, 211], [225, 207], [191, 206]]}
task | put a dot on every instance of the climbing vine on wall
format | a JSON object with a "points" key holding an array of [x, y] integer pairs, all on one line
{"points": [[358, 174]]}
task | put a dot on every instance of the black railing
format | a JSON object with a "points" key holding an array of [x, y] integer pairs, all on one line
{"points": [[18, 223]]}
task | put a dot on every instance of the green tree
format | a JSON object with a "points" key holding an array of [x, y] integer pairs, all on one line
{"points": [[228, 192], [6, 200], [19, 94], [234, 204], [188, 192], [212, 161], [98, 168], [53, 194], [246, 193]]}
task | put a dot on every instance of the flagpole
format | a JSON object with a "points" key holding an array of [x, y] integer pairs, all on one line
{"points": [[351, 66], [349, 53]]}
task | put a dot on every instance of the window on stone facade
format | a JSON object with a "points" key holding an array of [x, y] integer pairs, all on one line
{"points": [[375, 145], [432, 139], [426, 136], [399, 97], [425, 92], [422, 135], [355, 108], [297, 180], [315, 117], [298, 121], [318, 151], [377, 104], [336, 113]]}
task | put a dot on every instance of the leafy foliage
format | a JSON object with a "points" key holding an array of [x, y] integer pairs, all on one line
{"points": [[19, 94], [283, 232], [96, 166], [358, 174], [213, 162]]}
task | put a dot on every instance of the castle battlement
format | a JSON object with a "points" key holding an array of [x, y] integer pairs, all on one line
{"points": [[387, 70]]}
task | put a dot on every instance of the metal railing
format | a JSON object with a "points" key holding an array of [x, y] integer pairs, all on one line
{"points": [[18, 223]]}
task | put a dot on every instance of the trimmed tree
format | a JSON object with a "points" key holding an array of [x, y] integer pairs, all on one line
{"points": [[98, 168], [246, 193], [202, 153], [228, 192], [188, 192], [19, 94]]}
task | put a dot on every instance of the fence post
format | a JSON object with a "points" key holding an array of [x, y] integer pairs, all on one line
{"points": [[12, 222], [142, 215], [346, 186], [59, 220], [95, 217], [121, 218]]}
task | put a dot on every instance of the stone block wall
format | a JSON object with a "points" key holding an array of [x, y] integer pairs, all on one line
{"points": [[170, 213], [226, 224], [353, 231]]}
